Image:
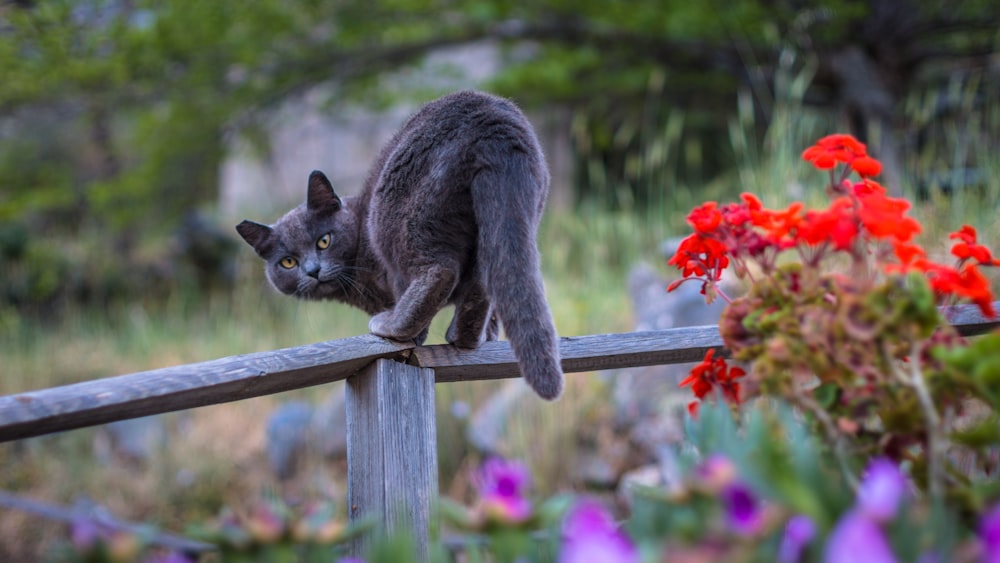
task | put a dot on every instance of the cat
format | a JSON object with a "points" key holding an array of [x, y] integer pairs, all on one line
{"points": [[448, 214]]}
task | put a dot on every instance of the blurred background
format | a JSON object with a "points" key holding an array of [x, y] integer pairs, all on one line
{"points": [[134, 134]]}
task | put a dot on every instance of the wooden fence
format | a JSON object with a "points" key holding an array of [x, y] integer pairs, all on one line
{"points": [[392, 445]]}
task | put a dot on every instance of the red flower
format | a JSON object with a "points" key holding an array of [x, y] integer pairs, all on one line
{"points": [[976, 288], [700, 256], [712, 372], [738, 215], [908, 254], [967, 282], [884, 216], [702, 377], [820, 157], [777, 225], [967, 247], [830, 150], [705, 218], [693, 408], [866, 166], [836, 224]]}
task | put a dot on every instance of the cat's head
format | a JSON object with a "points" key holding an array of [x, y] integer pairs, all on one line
{"points": [[310, 252]]}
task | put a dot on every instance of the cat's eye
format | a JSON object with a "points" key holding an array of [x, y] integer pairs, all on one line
{"points": [[288, 262], [324, 241]]}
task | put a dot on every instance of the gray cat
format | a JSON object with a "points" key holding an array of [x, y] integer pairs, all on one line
{"points": [[448, 215]]}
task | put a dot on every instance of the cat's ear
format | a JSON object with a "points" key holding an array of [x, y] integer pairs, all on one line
{"points": [[321, 196], [256, 235]]}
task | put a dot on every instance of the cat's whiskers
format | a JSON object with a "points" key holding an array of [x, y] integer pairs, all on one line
{"points": [[305, 287], [348, 282]]}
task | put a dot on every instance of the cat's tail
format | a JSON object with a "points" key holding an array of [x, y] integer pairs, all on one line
{"points": [[508, 198]]}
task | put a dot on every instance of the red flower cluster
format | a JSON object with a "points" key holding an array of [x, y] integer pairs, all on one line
{"points": [[861, 223], [713, 372], [968, 249], [861, 214], [961, 281], [834, 149]]}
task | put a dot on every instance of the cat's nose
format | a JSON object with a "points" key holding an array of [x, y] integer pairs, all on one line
{"points": [[312, 270]]}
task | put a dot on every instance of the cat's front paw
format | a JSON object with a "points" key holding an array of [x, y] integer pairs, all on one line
{"points": [[384, 325], [380, 325]]}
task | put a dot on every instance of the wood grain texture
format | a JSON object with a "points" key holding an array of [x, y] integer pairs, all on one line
{"points": [[392, 473], [89, 403], [495, 360]]}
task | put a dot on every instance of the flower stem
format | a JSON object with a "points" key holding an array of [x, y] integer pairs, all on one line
{"points": [[937, 441], [810, 405]]}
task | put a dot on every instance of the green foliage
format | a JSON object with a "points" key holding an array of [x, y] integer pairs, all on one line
{"points": [[979, 362]]}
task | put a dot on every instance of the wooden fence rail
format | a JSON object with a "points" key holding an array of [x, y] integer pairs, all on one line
{"points": [[33, 413], [392, 446]]}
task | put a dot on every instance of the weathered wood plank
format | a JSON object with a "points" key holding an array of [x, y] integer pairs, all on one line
{"points": [[968, 320], [89, 403], [392, 473], [495, 360]]}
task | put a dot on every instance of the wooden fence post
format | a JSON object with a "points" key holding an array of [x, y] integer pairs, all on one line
{"points": [[392, 472]]}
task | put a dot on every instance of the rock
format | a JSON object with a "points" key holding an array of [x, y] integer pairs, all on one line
{"points": [[595, 471], [133, 440], [297, 427], [489, 422], [647, 402], [329, 424], [288, 433], [645, 392], [665, 475]]}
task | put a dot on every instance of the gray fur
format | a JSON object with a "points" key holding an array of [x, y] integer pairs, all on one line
{"points": [[448, 215]]}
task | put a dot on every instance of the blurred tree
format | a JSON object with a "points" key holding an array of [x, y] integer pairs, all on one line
{"points": [[114, 113]]}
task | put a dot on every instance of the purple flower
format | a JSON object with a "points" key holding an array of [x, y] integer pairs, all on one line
{"points": [[590, 535], [881, 491], [502, 488], [989, 534], [799, 531], [857, 539], [743, 509], [85, 534]]}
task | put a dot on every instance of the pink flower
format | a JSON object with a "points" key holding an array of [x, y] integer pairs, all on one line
{"points": [[502, 488], [858, 536], [881, 491], [590, 535], [799, 531], [857, 539]]}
